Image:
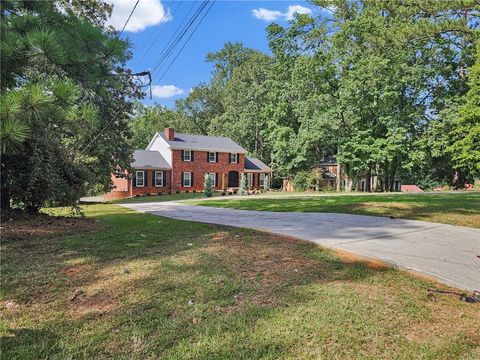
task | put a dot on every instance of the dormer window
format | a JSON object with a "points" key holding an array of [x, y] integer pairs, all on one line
{"points": [[233, 158], [187, 155]]}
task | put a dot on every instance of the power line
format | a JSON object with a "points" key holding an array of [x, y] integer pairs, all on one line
{"points": [[159, 33], [185, 43], [175, 41], [129, 16]]}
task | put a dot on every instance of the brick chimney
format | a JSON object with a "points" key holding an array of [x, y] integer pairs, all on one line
{"points": [[170, 134]]}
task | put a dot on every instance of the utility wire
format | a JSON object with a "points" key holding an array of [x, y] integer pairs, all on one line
{"points": [[159, 33], [185, 43], [175, 41], [129, 16]]}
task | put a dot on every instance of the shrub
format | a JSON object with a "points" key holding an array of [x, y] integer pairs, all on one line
{"points": [[177, 192], [187, 191], [303, 179], [223, 193]]}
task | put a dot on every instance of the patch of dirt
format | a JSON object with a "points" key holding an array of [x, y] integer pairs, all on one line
{"points": [[350, 258], [19, 225]]}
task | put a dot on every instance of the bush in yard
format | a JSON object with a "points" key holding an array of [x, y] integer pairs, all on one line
{"points": [[208, 186], [302, 180], [243, 185]]}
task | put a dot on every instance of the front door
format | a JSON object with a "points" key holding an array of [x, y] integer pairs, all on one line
{"points": [[233, 179]]}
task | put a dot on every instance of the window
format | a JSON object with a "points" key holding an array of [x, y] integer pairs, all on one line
{"points": [[261, 180], [140, 179], [234, 158], [212, 157], [187, 179], [158, 178], [187, 155], [213, 178], [249, 179]]}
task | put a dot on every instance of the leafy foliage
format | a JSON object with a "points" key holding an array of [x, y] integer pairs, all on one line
{"points": [[65, 101]]}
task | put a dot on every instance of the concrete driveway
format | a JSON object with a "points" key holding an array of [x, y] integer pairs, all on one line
{"points": [[445, 252]]}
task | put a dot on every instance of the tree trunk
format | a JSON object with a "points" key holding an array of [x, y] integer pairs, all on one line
{"points": [[5, 193]]}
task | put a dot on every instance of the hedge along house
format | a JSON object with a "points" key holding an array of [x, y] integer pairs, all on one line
{"points": [[178, 162]]}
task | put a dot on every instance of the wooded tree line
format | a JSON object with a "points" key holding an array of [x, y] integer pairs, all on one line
{"points": [[66, 99], [392, 88]]}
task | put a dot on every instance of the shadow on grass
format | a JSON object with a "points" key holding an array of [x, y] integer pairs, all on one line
{"points": [[152, 285]]}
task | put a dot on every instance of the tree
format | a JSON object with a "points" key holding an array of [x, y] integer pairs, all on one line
{"points": [[465, 149], [243, 185], [208, 186], [151, 119], [63, 78]]}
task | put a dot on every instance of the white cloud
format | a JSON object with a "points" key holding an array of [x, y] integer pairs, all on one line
{"points": [[296, 9], [267, 15], [147, 13], [166, 91], [271, 15]]}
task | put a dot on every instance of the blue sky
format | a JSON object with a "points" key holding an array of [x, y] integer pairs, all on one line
{"points": [[235, 21]]}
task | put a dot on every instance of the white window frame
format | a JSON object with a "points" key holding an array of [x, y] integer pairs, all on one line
{"points": [[214, 157], [185, 155], [261, 181], [137, 177], [235, 156], [185, 179], [250, 179], [161, 178], [213, 178]]}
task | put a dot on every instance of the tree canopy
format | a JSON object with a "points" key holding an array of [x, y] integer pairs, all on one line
{"points": [[66, 101]]}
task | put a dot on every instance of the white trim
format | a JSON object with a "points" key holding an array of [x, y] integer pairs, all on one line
{"points": [[161, 178], [136, 178], [189, 179], [213, 178], [189, 157], [236, 158], [215, 154], [261, 182]]}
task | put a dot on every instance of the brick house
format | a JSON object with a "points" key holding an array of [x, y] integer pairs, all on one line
{"points": [[178, 162]]}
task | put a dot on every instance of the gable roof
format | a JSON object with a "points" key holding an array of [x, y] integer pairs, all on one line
{"points": [[202, 142], [147, 159], [254, 164]]}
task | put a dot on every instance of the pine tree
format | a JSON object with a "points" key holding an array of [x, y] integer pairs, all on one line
{"points": [[243, 185], [208, 186]]}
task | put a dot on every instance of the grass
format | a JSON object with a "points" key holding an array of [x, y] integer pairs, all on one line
{"points": [[150, 287], [457, 209], [159, 198]]}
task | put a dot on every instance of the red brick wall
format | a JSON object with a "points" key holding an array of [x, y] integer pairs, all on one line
{"points": [[119, 190], [199, 166], [150, 188]]}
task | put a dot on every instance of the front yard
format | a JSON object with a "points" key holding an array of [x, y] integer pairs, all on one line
{"points": [[138, 286], [450, 208]]}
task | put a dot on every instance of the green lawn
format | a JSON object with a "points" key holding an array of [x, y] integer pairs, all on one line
{"points": [[457, 209], [149, 287], [158, 198]]}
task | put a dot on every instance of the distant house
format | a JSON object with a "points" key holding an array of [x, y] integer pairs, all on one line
{"points": [[178, 162], [329, 176]]}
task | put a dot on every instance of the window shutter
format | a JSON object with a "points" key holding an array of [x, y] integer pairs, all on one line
{"points": [[182, 180], [216, 157], [216, 180], [191, 155], [191, 179], [153, 178], [229, 158], [134, 179], [183, 153], [253, 179], [145, 178]]}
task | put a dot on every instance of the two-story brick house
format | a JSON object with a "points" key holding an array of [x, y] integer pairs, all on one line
{"points": [[178, 162]]}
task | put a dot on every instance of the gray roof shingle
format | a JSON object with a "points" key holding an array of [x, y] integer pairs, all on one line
{"points": [[206, 143], [147, 159], [254, 164]]}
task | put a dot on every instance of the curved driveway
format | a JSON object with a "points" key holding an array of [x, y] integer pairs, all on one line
{"points": [[445, 252]]}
